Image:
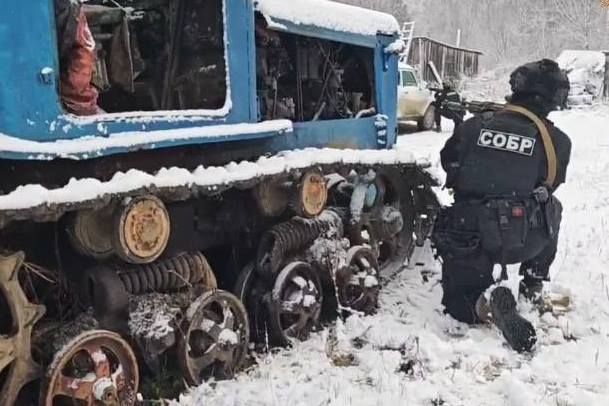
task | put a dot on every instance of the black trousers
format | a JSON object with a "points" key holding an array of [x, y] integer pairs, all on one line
{"points": [[466, 274]]}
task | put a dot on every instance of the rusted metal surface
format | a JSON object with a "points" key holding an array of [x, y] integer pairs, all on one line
{"points": [[312, 194], [96, 368], [15, 349], [141, 230]]}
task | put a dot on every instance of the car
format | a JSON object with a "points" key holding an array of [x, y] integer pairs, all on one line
{"points": [[414, 99]]}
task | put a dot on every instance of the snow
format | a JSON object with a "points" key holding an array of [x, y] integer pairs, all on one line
{"points": [[97, 144], [329, 15], [153, 316], [309, 301], [371, 281], [82, 190], [101, 386], [396, 47], [228, 336], [586, 71], [410, 353]]}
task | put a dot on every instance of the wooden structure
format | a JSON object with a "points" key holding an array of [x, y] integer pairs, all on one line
{"points": [[451, 61]]}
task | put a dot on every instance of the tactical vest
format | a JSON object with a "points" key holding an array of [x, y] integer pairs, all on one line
{"points": [[502, 154]]}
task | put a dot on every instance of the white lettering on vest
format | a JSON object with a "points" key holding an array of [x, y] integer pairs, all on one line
{"points": [[516, 143]]}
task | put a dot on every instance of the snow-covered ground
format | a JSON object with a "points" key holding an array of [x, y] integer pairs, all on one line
{"points": [[412, 354]]}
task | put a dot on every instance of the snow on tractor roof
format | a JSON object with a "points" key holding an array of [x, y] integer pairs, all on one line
{"points": [[328, 15]]}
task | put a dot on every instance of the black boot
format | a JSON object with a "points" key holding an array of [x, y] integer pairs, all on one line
{"points": [[518, 331], [531, 290]]}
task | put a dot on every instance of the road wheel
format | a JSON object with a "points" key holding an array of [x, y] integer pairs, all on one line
{"points": [[426, 122]]}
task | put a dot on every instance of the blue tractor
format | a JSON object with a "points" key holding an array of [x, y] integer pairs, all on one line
{"points": [[236, 183]]}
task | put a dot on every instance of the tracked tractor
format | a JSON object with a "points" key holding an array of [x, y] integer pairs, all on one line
{"points": [[234, 187]]}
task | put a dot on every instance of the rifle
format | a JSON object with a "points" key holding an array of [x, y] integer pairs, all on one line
{"points": [[474, 107]]}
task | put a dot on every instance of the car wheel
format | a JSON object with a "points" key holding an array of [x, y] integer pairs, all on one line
{"points": [[426, 122]]}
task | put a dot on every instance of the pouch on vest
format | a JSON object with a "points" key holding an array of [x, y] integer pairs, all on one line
{"points": [[503, 226], [552, 210], [452, 237]]}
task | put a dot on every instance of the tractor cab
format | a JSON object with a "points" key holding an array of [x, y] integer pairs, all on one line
{"points": [[164, 72]]}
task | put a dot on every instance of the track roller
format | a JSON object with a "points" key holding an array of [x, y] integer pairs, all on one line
{"points": [[214, 337], [95, 368], [141, 230], [15, 349], [312, 194], [272, 198], [357, 283], [295, 304], [90, 232]]}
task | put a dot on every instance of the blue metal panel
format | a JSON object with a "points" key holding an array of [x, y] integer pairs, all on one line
{"points": [[349, 134], [27, 47], [386, 71]]}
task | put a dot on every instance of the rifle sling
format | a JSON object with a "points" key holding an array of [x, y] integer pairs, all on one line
{"points": [[548, 145]]}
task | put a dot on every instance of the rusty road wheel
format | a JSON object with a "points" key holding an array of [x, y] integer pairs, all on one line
{"points": [[141, 230], [96, 368], [214, 337], [357, 283], [295, 305], [18, 316]]}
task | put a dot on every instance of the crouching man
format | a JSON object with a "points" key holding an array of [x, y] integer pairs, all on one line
{"points": [[504, 167]]}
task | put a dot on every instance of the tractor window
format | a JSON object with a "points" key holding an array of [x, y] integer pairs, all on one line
{"points": [[141, 55], [408, 78]]}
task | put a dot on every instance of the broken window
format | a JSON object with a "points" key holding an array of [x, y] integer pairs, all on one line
{"points": [[149, 55]]}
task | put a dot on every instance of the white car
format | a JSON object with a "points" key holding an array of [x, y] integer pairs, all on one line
{"points": [[414, 99]]}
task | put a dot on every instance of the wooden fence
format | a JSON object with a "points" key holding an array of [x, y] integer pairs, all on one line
{"points": [[451, 62]]}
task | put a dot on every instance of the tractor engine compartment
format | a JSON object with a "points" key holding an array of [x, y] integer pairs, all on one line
{"points": [[308, 79]]}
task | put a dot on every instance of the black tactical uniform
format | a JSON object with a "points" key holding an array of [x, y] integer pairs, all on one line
{"points": [[446, 94], [504, 210]]}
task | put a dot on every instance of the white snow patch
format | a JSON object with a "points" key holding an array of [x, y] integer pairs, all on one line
{"points": [[329, 15], [396, 47], [98, 357], [228, 336], [300, 281], [100, 387], [309, 300], [370, 281], [586, 71]]}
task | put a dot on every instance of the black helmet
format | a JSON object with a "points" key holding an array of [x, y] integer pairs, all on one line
{"points": [[543, 78]]}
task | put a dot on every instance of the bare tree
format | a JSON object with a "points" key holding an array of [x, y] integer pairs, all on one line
{"points": [[583, 18], [507, 31]]}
